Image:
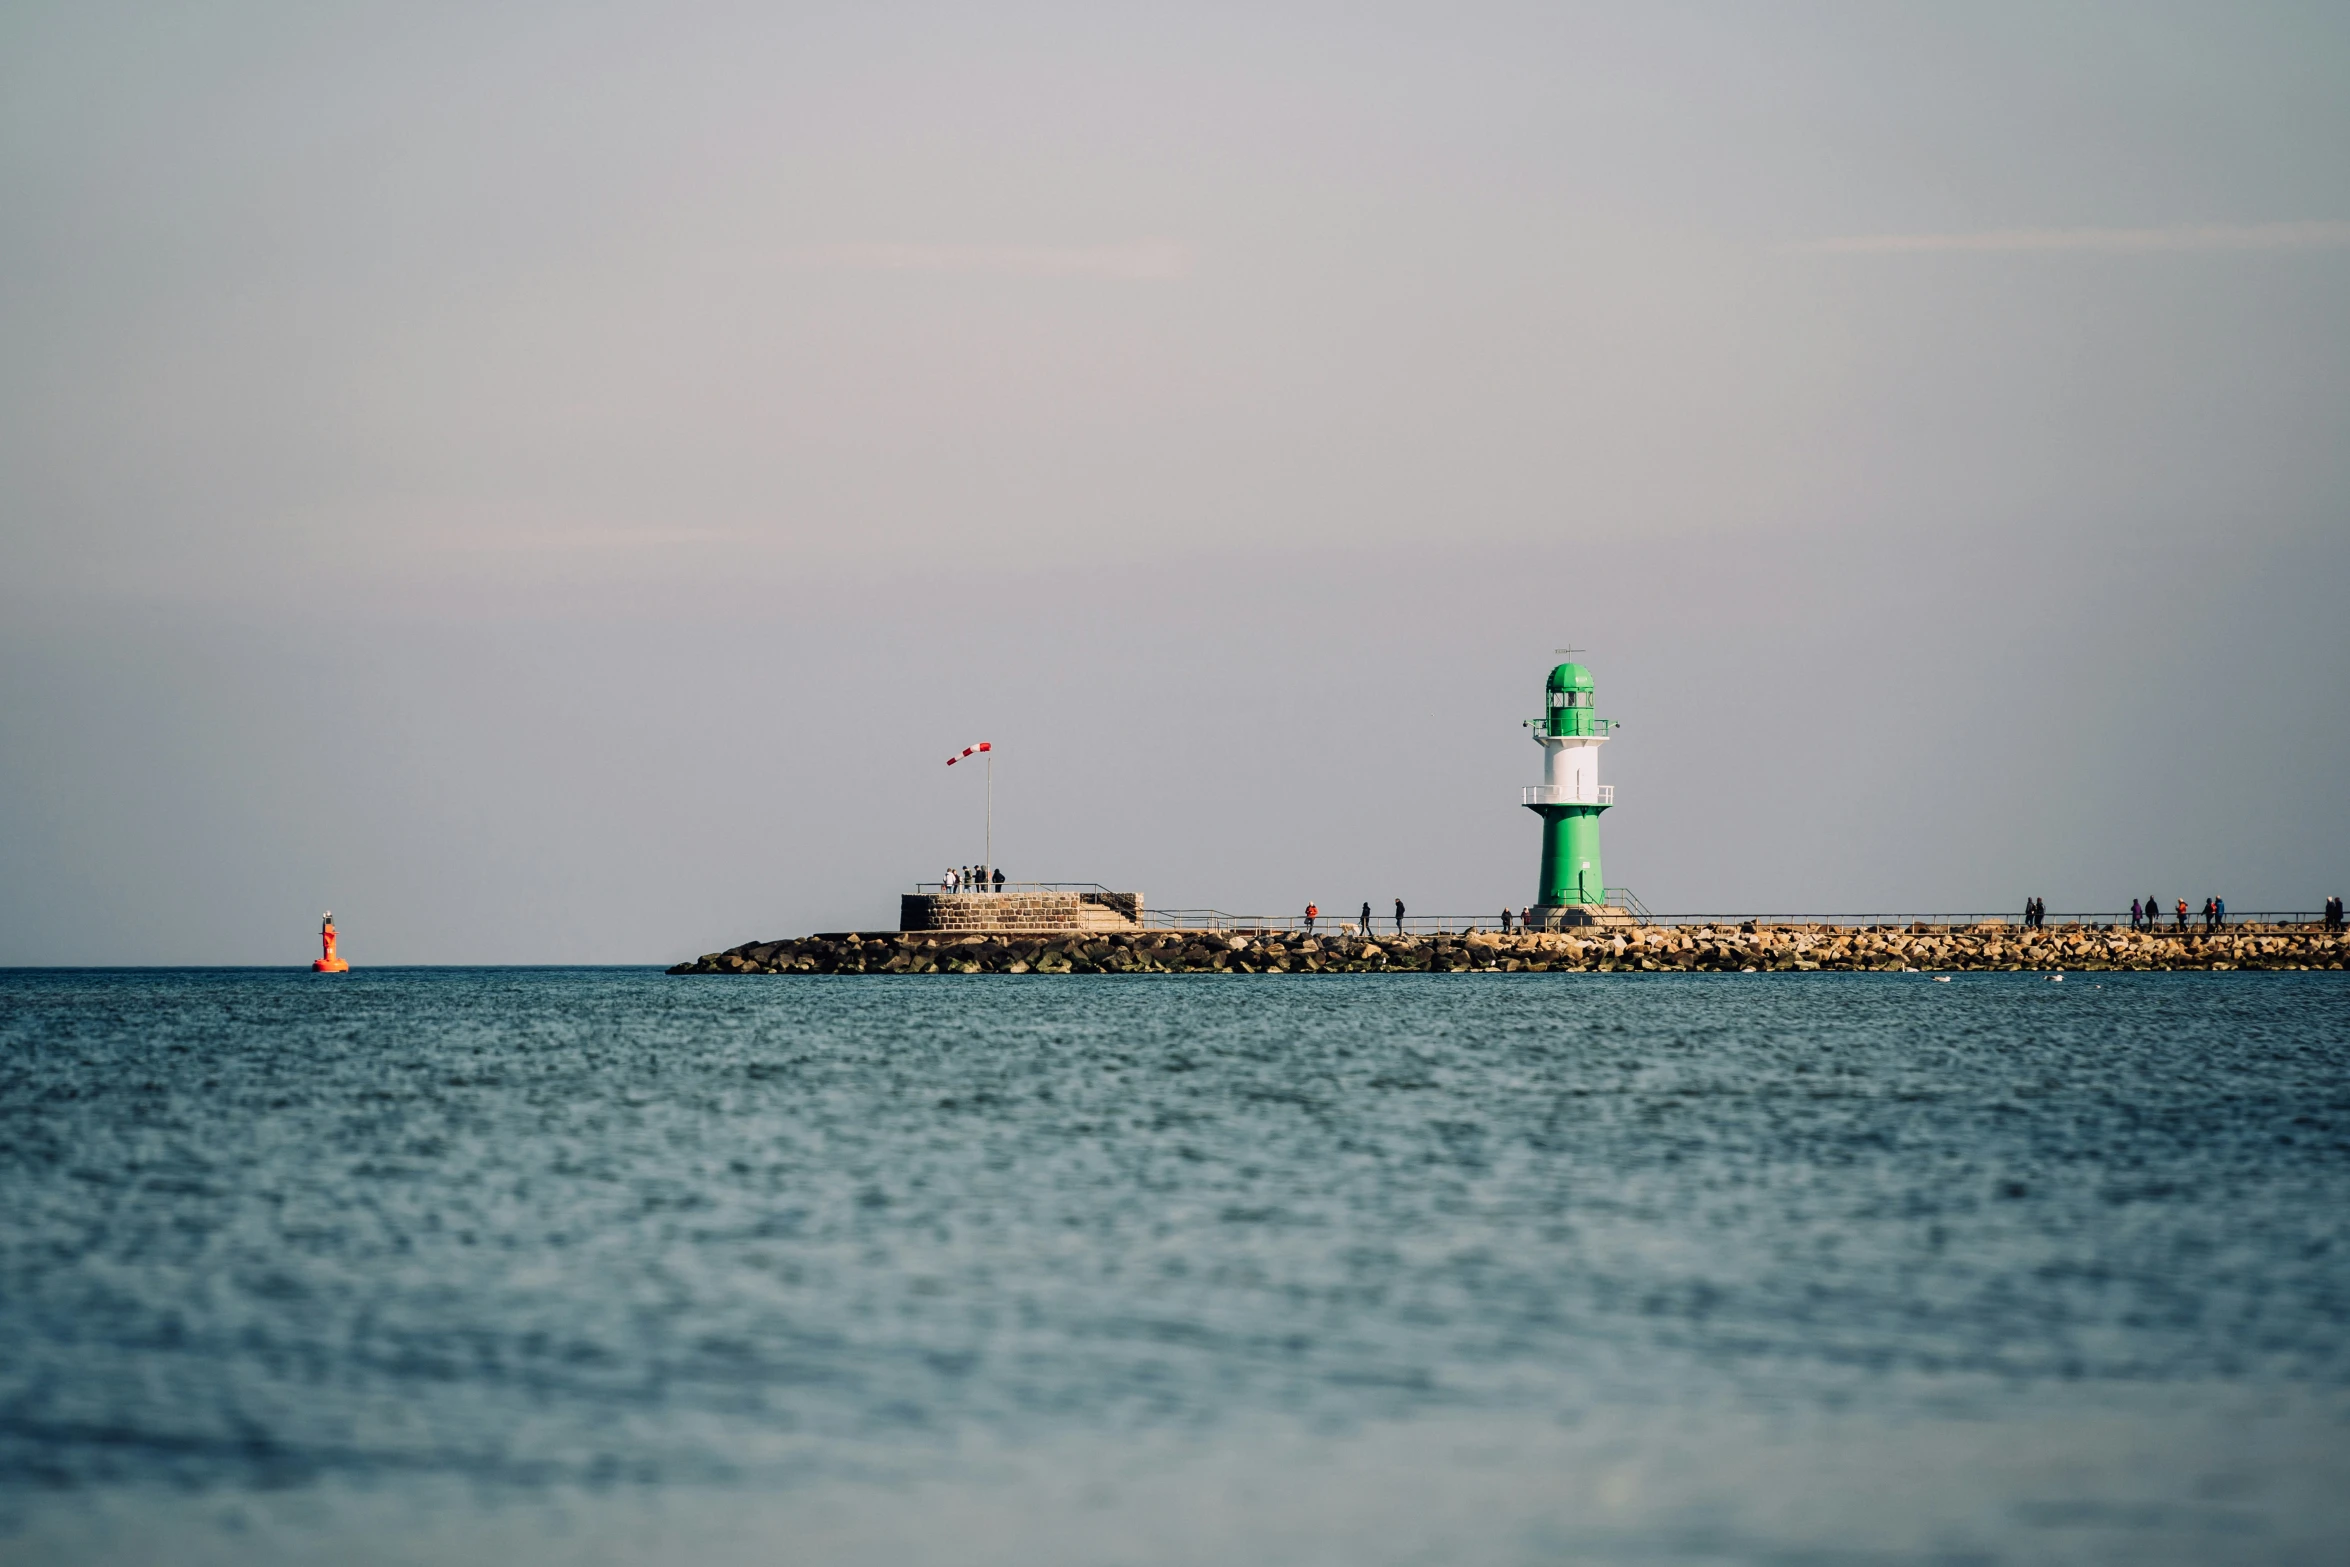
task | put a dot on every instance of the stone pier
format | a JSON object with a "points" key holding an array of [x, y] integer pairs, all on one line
{"points": [[1732, 949]]}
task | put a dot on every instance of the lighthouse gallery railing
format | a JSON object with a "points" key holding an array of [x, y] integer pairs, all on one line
{"points": [[1559, 794]]}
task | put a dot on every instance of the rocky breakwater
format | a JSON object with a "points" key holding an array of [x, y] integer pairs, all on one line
{"points": [[1717, 948]]}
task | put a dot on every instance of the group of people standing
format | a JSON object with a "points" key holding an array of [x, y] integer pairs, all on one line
{"points": [[2035, 913], [1314, 913], [2148, 915], [2333, 913], [971, 878]]}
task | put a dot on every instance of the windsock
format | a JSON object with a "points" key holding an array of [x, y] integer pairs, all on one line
{"points": [[969, 750]]}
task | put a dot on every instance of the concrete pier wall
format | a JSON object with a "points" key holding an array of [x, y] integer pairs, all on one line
{"points": [[1020, 913]]}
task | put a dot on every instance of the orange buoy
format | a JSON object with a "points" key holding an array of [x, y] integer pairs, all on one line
{"points": [[329, 964]]}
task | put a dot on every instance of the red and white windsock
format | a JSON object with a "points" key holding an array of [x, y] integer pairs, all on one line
{"points": [[970, 750]]}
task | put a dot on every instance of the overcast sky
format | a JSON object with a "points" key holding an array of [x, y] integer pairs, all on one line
{"points": [[555, 483]]}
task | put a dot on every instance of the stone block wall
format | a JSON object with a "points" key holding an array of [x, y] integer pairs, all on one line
{"points": [[1036, 913], [1573, 916]]}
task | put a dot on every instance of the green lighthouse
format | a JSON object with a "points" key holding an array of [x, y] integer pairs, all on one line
{"points": [[1569, 799]]}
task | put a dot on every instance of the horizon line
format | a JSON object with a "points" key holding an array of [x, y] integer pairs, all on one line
{"points": [[2327, 234]]}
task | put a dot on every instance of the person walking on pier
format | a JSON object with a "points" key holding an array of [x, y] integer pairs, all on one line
{"points": [[2135, 916], [1505, 921], [2219, 911], [1399, 916], [1366, 919], [999, 878], [2182, 916], [1311, 911]]}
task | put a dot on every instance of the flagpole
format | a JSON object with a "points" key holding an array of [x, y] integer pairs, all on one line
{"points": [[991, 811]]}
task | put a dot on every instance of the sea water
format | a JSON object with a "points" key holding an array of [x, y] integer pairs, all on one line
{"points": [[526, 1266]]}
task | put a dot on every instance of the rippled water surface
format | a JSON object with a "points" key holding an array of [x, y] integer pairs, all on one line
{"points": [[602, 1265]]}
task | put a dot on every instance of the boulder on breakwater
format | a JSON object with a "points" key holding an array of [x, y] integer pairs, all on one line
{"points": [[1746, 948]]}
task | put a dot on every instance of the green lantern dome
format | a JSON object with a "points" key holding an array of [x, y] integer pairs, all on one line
{"points": [[1566, 702]]}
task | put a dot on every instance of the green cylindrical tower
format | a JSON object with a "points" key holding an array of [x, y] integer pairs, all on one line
{"points": [[1569, 798]]}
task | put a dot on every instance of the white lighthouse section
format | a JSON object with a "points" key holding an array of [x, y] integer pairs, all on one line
{"points": [[1570, 771], [1571, 766]]}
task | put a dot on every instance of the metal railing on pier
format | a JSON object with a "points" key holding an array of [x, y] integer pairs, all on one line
{"points": [[1229, 924], [2088, 919], [1623, 902], [1620, 902], [980, 889]]}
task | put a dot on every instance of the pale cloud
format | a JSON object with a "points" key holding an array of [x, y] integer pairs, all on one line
{"points": [[572, 541], [2148, 241], [1150, 260]]}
